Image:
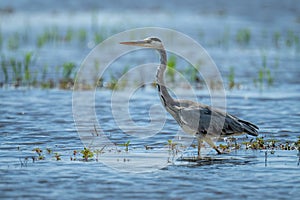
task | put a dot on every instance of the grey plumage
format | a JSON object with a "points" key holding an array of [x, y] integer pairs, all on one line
{"points": [[195, 118]]}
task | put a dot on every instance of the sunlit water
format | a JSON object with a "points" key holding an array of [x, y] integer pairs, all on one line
{"points": [[34, 118]]}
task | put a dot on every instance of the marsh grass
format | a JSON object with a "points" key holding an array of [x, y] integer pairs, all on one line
{"points": [[276, 38], [1, 39], [243, 36], [28, 61], [67, 80], [4, 69], [82, 35], [225, 38], [265, 76], [114, 83], [231, 78], [13, 42]]}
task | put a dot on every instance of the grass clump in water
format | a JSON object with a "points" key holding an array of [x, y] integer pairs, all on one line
{"points": [[243, 36], [264, 75], [67, 80]]}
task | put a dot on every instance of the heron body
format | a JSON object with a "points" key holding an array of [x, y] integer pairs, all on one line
{"points": [[197, 119]]}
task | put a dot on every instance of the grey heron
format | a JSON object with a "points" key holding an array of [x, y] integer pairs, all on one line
{"points": [[194, 118]]}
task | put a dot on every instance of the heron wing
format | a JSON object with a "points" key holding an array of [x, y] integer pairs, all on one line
{"points": [[203, 119]]}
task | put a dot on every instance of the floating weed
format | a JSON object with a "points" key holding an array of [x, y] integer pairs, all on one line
{"points": [[297, 144], [98, 152], [40, 153], [73, 157], [126, 145], [57, 156], [49, 151], [87, 154]]}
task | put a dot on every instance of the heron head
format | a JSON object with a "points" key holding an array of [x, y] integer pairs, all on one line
{"points": [[150, 42]]}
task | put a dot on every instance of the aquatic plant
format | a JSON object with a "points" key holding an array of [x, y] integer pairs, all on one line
{"points": [[13, 42], [49, 35], [17, 71], [289, 38], [69, 35], [192, 74], [1, 39], [68, 68], [67, 80], [73, 157], [243, 36], [231, 76], [126, 145], [172, 146], [57, 156], [87, 154], [4, 69], [27, 62], [276, 38], [49, 151], [98, 37], [225, 38], [99, 151], [297, 144], [82, 35], [114, 83], [264, 74], [39, 152]]}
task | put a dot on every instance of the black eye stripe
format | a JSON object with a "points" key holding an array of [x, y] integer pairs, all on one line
{"points": [[155, 39]]}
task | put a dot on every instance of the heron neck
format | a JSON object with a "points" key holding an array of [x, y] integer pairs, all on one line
{"points": [[162, 90]]}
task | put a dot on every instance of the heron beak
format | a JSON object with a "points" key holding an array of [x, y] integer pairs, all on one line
{"points": [[135, 43]]}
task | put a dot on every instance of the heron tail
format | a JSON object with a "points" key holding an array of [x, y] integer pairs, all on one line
{"points": [[249, 128]]}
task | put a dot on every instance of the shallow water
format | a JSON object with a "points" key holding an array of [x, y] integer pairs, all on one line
{"points": [[35, 118], [44, 119]]}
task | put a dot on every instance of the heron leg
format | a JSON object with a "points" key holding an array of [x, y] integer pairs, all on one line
{"points": [[212, 144], [199, 147]]}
